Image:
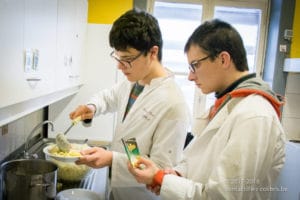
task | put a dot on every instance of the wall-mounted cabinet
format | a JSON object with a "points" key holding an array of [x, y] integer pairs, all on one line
{"points": [[31, 25], [71, 35], [42, 49], [39, 35], [12, 15]]}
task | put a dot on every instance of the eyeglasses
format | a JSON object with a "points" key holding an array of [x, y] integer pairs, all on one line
{"points": [[194, 65], [125, 63]]}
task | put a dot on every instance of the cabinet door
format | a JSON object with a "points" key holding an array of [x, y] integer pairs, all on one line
{"points": [[11, 51], [65, 28], [27, 24], [40, 34], [79, 41], [71, 33]]}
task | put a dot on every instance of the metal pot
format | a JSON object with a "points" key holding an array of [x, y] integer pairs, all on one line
{"points": [[28, 179]]}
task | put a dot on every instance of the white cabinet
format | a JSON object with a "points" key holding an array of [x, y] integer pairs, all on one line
{"points": [[40, 34], [11, 50], [79, 50], [27, 24], [71, 34], [56, 30]]}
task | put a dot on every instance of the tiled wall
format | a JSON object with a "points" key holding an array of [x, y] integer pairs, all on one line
{"points": [[18, 132], [291, 110]]}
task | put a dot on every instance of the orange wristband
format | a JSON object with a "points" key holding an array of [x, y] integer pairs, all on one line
{"points": [[158, 177]]}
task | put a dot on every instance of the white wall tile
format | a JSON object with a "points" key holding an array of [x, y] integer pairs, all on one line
{"points": [[293, 83], [291, 110], [291, 107], [292, 128]]}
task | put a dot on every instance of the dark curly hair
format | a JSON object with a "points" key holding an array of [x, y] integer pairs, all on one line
{"points": [[138, 30]]}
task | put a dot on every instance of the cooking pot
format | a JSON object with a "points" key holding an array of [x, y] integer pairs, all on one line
{"points": [[28, 179]]}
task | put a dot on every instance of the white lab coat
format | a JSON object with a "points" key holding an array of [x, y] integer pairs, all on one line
{"points": [[159, 120], [238, 155]]}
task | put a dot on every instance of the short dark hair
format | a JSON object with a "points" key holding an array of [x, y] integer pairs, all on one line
{"points": [[138, 30], [216, 36]]}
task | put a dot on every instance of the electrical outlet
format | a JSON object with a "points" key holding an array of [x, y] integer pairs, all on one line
{"points": [[283, 48], [4, 129]]}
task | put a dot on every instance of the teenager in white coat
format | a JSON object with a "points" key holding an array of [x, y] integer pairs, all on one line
{"points": [[239, 149], [150, 106]]}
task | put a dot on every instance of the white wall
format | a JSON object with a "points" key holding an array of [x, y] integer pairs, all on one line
{"points": [[99, 72], [291, 110]]}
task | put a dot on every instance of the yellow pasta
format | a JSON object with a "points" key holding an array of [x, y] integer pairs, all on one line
{"points": [[56, 152]]}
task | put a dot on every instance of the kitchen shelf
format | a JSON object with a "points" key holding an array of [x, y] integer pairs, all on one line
{"points": [[13, 112], [292, 65]]}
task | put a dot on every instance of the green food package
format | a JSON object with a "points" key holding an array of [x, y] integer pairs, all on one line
{"points": [[132, 150]]}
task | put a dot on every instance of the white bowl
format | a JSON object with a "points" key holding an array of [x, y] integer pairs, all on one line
{"points": [[67, 169], [77, 194], [58, 157]]}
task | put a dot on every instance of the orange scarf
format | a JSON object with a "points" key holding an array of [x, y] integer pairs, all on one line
{"points": [[243, 92]]}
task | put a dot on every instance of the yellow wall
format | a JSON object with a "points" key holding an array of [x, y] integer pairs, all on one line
{"points": [[295, 47], [107, 11]]}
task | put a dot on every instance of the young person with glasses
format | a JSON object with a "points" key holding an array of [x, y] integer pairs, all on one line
{"points": [[239, 150], [150, 106]]}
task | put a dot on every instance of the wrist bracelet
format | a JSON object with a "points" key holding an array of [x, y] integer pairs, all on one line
{"points": [[158, 177]]}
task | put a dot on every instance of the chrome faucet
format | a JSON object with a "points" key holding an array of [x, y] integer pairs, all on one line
{"points": [[26, 154]]}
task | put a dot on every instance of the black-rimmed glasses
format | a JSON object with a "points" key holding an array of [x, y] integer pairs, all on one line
{"points": [[125, 63], [193, 65]]}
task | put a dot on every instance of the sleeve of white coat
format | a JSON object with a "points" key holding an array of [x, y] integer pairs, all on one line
{"points": [[243, 165], [175, 187], [107, 100]]}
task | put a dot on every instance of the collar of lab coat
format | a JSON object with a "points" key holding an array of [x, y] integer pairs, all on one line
{"points": [[157, 81], [204, 123]]}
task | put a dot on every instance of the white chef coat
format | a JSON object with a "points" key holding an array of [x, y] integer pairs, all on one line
{"points": [[159, 120], [237, 155]]}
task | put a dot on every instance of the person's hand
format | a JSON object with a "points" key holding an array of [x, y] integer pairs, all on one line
{"points": [[95, 157], [156, 188], [146, 172], [85, 111]]}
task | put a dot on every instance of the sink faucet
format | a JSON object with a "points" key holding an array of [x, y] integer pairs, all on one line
{"points": [[26, 154]]}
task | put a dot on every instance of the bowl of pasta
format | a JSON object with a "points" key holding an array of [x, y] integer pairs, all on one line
{"points": [[67, 169]]}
